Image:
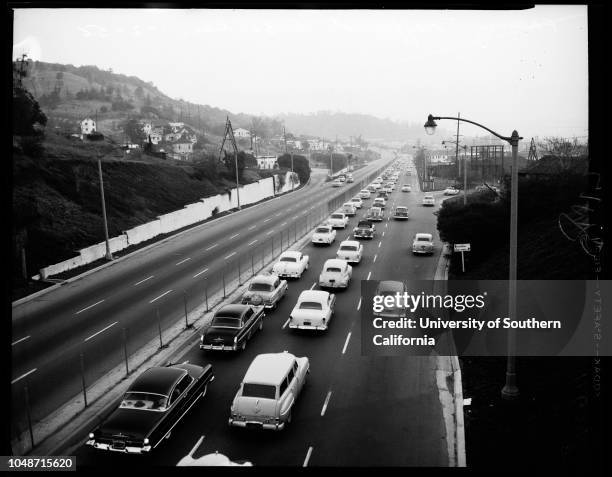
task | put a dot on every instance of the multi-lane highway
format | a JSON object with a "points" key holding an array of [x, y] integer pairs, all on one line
{"points": [[355, 410], [84, 323]]}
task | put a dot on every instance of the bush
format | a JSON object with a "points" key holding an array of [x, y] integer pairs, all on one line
{"points": [[32, 147], [301, 166]]}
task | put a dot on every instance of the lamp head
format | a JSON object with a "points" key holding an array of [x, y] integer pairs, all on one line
{"points": [[430, 125]]}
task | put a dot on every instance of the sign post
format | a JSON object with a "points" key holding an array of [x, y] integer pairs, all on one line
{"points": [[462, 247]]}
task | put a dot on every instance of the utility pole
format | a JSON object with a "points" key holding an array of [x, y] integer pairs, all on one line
{"points": [[285, 139], [109, 256], [229, 132]]}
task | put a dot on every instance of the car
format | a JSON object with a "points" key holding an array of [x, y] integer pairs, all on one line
{"points": [[391, 288], [364, 229], [338, 220], [269, 391], [423, 243], [372, 189], [291, 264], [341, 178], [151, 407], [265, 290], [380, 202], [375, 214], [350, 178], [337, 183], [451, 191], [231, 327], [350, 250], [349, 209], [357, 202], [336, 273], [429, 200], [211, 460], [401, 213], [406, 188], [324, 234], [313, 310], [364, 194]]}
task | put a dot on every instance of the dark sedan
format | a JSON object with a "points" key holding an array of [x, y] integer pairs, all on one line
{"points": [[155, 402], [232, 326]]}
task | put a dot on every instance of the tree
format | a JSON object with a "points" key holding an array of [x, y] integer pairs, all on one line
{"points": [[566, 151], [28, 118], [139, 92], [230, 163], [133, 130], [301, 166]]}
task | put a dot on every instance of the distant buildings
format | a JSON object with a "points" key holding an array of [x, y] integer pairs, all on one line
{"points": [[267, 162], [242, 133], [88, 126]]}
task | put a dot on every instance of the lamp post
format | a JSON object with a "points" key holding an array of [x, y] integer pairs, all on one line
{"points": [[510, 389]]}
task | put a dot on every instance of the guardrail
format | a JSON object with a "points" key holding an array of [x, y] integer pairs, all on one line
{"points": [[34, 396]]}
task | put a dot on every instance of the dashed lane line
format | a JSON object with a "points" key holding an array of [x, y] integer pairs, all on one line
{"points": [[286, 323], [379, 244], [251, 243], [20, 340], [142, 281], [200, 273], [326, 403], [90, 306], [230, 255], [348, 337], [252, 227], [234, 236], [359, 304], [308, 454], [369, 274], [374, 258], [101, 331], [160, 296], [24, 375], [211, 247], [183, 261], [313, 285]]}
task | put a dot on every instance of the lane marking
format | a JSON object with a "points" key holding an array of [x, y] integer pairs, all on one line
{"points": [[386, 225], [374, 258], [347, 341], [284, 223], [101, 331], [195, 448], [279, 214], [230, 255], [308, 454], [270, 232], [252, 227], [251, 243], [369, 276], [267, 220], [379, 244], [286, 323], [383, 233], [163, 294], [327, 398], [19, 341], [234, 236], [200, 273], [211, 247], [359, 304], [90, 306], [23, 375], [313, 285], [183, 261], [142, 281]]}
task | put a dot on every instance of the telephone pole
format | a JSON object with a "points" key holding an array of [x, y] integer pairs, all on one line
{"points": [[229, 132]]}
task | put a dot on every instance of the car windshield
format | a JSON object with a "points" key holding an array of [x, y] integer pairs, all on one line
{"points": [[322, 230], [288, 259], [265, 391], [350, 248], [310, 305], [264, 287], [332, 269], [225, 322], [146, 401]]}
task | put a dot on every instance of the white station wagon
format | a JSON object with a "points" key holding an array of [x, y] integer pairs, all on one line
{"points": [[291, 264], [351, 251], [336, 273], [338, 220], [423, 243], [324, 234], [268, 391], [313, 310]]}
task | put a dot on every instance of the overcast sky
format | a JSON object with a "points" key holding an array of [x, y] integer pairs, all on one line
{"points": [[524, 70]]}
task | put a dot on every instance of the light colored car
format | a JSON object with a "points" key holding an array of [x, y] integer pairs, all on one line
{"points": [[428, 199], [422, 243], [337, 183], [391, 288], [210, 460], [375, 214], [350, 178], [406, 188], [338, 220], [357, 202], [291, 264], [351, 251], [268, 391], [364, 194], [266, 290], [349, 209], [324, 234], [380, 202], [313, 310], [401, 213], [451, 191], [336, 273]]}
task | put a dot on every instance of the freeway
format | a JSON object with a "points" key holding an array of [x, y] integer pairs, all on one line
{"points": [[355, 410], [92, 315]]}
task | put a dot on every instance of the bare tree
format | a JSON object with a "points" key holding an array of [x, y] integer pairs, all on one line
{"points": [[564, 149]]}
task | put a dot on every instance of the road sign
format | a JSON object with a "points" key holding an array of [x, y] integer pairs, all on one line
{"points": [[462, 247]]}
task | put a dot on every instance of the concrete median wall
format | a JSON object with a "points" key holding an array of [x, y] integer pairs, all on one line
{"points": [[166, 223]]}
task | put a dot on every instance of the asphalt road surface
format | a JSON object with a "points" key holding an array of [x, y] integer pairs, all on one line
{"points": [[93, 315], [355, 410]]}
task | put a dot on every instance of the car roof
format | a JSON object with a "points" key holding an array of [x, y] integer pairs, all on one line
{"points": [[390, 285], [270, 279], [429, 236], [337, 212], [314, 295], [234, 310], [350, 242], [158, 380], [269, 368], [291, 253], [376, 209], [331, 263], [401, 207]]}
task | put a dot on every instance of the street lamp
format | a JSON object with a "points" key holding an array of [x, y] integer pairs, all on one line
{"points": [[510, 390]]}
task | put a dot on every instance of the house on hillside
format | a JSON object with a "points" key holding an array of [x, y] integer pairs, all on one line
{"points": [[182, 150], [267, 162], [242, 133], [176, 127], [88, 126]]}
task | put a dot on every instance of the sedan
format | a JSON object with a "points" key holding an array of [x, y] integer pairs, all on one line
{"points": [[406, 188], [401, 213], [324, 234], [336, 273], [429, 200], [422, 243], [357, 202], [365, 194], [380, 202], [266, 290], [337, 183], [351, 251], [291, 264], [231, 327], [313, 310], [451, 191], [151, 407], [338, 220]]}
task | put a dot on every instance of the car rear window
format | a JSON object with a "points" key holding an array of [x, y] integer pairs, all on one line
{"points": [[322, 230], [332, 269], [264, 287], [350, 248], [145, 401], [423, 239], [265, 391], [226, 322], [288, 259], [337, 216], [310, 305]]}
